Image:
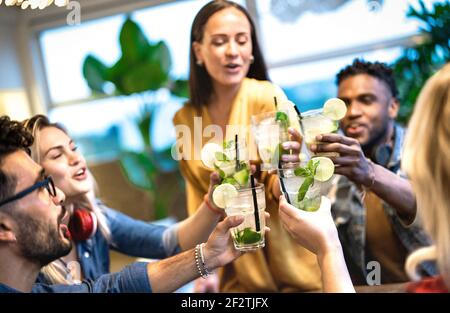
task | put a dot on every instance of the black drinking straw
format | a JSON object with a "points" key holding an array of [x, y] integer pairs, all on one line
{"points": [[255, 203], [300, 117], [283, 188], [236, 149]]}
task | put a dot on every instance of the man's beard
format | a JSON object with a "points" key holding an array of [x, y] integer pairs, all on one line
{"points": [[40, 243], [376, 139]]}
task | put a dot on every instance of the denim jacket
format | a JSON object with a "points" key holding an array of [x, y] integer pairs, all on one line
{"points": [[350, 216], [128, 236], [133, 278]]}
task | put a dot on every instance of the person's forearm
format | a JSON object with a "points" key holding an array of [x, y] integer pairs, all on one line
{"points": [[396, 191], [335, 276], [172, 273], [276, 190], [197, 228]]}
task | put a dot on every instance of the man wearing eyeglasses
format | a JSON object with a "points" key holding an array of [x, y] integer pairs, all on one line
{"points": [[32, 233]]}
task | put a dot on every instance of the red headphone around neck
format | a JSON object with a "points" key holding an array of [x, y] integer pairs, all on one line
{"points": [[82, 224]]}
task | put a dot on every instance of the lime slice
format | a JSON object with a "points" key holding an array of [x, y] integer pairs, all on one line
{"points": [[335, 109], [223, 192], [228, 168], [208, 154], [324, 170], [302, 157], [242, 177]]}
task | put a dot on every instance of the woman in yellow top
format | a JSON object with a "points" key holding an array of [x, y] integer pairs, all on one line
{"points": [[228, 84]]}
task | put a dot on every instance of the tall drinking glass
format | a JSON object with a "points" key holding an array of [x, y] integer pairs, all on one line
{"points": [[303, 192], [270, 131], [314, 123], [248, 235]]}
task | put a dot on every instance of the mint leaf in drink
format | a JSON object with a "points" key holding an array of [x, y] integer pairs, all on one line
{"points": [[283, 120], [308, 182], [242, 177], [221, 173], [228, 144], [314, 168], [230, 180], [220, 156], [247, 236], [310, 166], [302, 172], [281, 116]]}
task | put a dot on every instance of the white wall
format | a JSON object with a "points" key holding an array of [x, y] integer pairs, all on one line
{"points": [[13, 98], [10, 76], [21, 70]]}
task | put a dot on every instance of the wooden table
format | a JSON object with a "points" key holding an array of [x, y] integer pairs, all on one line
{"points": [[386, 288]]}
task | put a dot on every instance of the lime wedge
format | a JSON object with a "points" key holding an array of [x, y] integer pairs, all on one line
{"points": [[227, 167], [324, 170], [208, 154], [335, 109], [242, 177], [223, 192]]}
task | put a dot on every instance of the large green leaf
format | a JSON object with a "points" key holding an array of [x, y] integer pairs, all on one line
{"points": [[133, 42], [419, 62], [159, 53], [116, 72], [147, 76], [144, 125], [95, 73], [180, 88], [139, 169]]}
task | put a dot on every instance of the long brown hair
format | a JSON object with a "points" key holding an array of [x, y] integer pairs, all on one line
{"points": [[426, 160], [200, 85]]}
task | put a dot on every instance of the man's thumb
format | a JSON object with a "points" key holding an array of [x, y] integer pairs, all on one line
{"points": [[233, 221]]}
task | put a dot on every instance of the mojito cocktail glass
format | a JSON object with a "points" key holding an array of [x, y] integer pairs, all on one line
{"points": [[246, 236], [270, 130], [314, 123], [303, 191]]}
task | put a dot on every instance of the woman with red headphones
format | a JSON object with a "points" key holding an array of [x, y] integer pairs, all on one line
{"points": [[95, 228]]}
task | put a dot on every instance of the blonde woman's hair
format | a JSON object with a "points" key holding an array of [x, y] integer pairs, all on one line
{"points": [[427, 161], [57, 272]]}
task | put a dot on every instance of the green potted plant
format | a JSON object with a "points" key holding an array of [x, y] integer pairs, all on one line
{"points": [[419, 62], [142, 69]]}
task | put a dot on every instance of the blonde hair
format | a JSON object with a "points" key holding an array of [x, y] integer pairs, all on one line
{"points": [[426, 160], [57, 271]]}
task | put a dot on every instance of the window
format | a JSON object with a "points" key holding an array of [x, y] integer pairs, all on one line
{"points": [[319, 44], [354, 23], [310, 84], [107, 124], [303, 63]]}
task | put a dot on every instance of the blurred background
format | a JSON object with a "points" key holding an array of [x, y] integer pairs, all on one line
{"points": [[80, 65]]}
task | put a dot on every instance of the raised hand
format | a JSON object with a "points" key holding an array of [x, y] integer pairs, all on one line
{"points": [[294, 145], [351, 161], [315, 231]]}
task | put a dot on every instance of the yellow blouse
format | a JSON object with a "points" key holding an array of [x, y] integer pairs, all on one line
{"points": [[282, 265]]}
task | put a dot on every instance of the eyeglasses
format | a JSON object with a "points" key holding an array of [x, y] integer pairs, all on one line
{"points": [[47, 183]]}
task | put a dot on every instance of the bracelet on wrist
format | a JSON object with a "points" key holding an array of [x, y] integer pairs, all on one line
{"points": [[200, 261], [212, 207]]}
